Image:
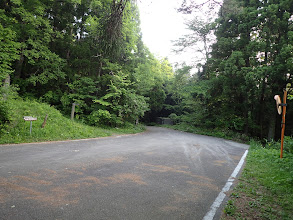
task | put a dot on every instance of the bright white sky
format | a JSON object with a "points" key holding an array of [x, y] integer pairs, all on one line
{"points": [[161, 24]]}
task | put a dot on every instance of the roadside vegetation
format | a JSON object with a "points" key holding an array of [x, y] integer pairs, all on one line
{"points": [[91, 53], [220, 133], [231, 96], [56, 53], [265, 188], [57, 126]]}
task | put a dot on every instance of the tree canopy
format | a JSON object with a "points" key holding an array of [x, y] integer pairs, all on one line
{"points": [[90, 52], [87, 52], [249, 63]]}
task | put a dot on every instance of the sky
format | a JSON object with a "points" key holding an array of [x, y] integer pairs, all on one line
{"points": [[160, 25]]}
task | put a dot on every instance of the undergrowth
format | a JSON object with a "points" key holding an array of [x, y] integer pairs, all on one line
{"points": [[226, 134], [265, 188]]}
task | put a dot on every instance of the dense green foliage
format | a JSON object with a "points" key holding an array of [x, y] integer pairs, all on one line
{"points": [[250, 62], [90, 52], [57, 126], [87, 52]]}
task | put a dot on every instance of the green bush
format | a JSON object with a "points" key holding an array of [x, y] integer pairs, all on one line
{"points": [[5, 117], [100, 117], [116, 121], [288, 144], [175, 119]]}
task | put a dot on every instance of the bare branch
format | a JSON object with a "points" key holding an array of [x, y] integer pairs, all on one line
{"points": [[188, 8]]}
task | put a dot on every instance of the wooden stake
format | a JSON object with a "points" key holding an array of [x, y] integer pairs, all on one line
{"points": [[72, 111], [45, 121]]}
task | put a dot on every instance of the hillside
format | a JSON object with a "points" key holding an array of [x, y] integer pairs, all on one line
{"points": [[57, 127]]}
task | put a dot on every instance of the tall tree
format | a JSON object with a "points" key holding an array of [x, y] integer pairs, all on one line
{"points": [[250, 62], [9, 47], [80, 51], [36, 64], [247, 65], [200, 40]]}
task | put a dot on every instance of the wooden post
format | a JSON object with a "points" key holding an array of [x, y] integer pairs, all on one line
{"points": [[72, 111], [283, 121], [45, 120]]}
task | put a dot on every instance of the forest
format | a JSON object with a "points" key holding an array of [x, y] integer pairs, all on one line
{"points": [[90, 52]]}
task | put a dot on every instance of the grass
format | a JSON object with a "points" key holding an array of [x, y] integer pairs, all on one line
{"points": [[57, 127], [265, 188]]}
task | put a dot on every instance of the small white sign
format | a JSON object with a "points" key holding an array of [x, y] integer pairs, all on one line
{"points": [[29, 118]]}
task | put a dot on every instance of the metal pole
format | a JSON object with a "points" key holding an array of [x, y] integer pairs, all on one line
{"points": [[283, 122], [31, 125]]}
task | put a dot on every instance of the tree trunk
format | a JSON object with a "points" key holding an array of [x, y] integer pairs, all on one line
{"points": [[246, 126], [18, 67], [261, 109], [272, 128], [7, 81], [6, 87]]}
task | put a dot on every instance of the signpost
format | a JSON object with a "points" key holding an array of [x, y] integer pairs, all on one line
{"points": [[281, 108], [31, 119]]}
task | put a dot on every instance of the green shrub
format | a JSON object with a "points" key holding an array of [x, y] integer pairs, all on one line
{"points": [[175, 119], [100, 117], [5, 117], [288, 144]]}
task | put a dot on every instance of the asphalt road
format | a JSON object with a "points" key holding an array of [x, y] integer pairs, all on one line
{"points": [[159, 174]]}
